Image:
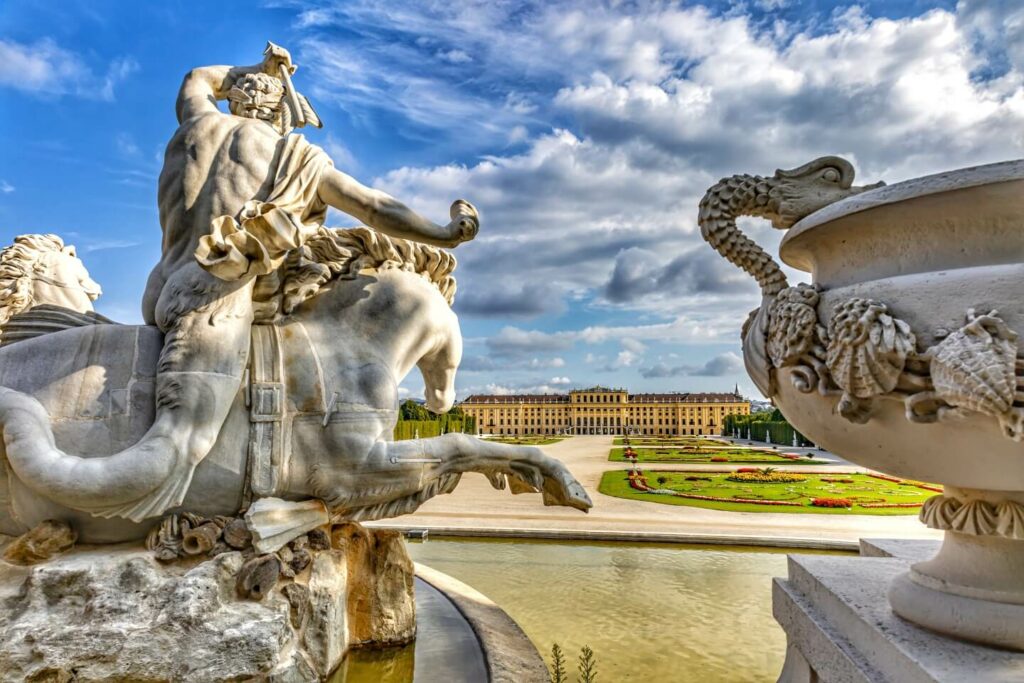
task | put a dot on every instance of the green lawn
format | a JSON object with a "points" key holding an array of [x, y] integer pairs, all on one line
{"points": [[734, 455], [527, 439], [864, 489]]}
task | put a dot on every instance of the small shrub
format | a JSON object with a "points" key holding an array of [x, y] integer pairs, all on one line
{"points": [[558, 674], [698, 478], [719, 459], [662, 480], [832, 503], [747, 469], [587, 665]]}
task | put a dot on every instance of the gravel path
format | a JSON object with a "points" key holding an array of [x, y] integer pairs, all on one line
{"points": [[476, 506]]}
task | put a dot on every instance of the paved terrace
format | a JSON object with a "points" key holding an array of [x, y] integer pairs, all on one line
{"points": [[477, 509]]}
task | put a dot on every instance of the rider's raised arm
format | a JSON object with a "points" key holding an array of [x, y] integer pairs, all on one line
{"points": [[381, 211], [204, 86]]}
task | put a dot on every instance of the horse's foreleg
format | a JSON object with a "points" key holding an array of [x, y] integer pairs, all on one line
{"points": [[525, 468]]}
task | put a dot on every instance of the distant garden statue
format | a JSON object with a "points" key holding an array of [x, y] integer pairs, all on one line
{"points": [[263, 385]]}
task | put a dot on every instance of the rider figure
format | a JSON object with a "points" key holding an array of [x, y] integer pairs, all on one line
{"points": [[237, 192]]}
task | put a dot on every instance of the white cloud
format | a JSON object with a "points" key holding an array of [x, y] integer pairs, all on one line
{"points": [[630, 112], [722, 365], [454, 56], [126, 145], [619, 203], [634, 345], [45, 68], [6, 187], [340, 154]]}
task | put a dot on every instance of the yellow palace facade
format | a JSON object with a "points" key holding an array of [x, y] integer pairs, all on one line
{"points": [[600, 410]]}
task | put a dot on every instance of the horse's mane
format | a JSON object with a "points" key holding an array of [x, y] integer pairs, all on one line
{"points": [[341, 253], [17, 265]]}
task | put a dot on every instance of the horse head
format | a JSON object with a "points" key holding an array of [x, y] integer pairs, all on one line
{"points": [[41, 269]]}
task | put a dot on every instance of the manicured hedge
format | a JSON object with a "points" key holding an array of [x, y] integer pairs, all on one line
{"points": [[764, 427]]}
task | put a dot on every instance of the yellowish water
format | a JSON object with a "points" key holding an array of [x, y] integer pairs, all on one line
{"points": [[651, 612]]}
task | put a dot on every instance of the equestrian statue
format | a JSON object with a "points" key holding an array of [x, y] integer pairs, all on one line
{"points": [[273, 346]]}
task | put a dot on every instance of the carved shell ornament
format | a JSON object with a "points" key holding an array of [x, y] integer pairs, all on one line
{"points": [[974, 369], [867, 351], [974, 516], [793, 325]]}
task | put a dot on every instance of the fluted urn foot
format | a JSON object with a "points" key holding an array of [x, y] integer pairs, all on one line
{"points": [[972, 590]]}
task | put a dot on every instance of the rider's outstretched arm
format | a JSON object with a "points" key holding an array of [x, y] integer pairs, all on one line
{"points": [[205, 85], [381, 211]]}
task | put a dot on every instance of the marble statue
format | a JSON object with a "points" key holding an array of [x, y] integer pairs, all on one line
{"points": [[903, 355], [247, 426], [273, 345]]}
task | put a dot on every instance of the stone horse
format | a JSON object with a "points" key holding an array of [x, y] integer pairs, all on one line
{"points": [[344, 324], [40, 270]]}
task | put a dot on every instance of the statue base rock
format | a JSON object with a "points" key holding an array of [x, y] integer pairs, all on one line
{"points": [[116, 613]]}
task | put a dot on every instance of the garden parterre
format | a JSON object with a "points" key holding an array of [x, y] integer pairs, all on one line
{"points": [[866, 494], [711, 455]]}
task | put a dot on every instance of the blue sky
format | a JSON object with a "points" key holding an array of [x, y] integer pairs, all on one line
{"points": [[584, 132]]}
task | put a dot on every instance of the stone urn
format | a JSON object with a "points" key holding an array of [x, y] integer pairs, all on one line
{"points": [[902, 355]]}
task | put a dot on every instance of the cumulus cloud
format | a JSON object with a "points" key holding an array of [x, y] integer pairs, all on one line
{"points": [[630, 111], [721, 365], [489, 364], [45, 68], [501, 389], [513, 341], [523, 300], [639, 273]]}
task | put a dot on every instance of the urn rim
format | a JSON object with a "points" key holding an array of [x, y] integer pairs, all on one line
{"points": [[795, 253]]}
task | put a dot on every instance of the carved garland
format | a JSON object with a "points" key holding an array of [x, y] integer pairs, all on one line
{"points": [[865, 353], [976, 517]]}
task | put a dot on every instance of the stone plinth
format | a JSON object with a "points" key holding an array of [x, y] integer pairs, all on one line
{"points": [[840, 627], [116, 613]]}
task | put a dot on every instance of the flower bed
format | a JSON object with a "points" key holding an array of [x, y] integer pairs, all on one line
{"points": [[766, 477], [747, 491], [832, 503], [892, 505], [907, 482], [705, 455], [748, 501]]}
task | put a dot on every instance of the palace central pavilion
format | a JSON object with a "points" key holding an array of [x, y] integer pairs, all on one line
{"points": [[600, 410]]}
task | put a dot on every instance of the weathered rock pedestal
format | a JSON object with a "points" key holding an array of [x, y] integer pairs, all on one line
{"points": [[840, 627], [117, 613]]}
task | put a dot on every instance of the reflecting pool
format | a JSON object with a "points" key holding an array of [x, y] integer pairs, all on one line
{"points": [[651, 612]]}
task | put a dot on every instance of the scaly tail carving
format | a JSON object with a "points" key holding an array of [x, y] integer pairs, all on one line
{"points": [[783, 199], [741, 195]]}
